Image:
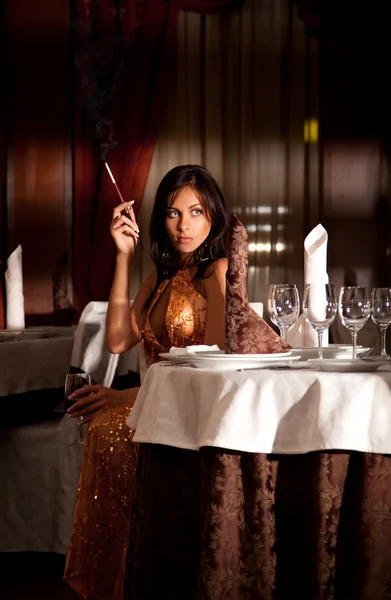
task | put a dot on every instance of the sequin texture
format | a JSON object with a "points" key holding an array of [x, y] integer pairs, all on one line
{"points": [[185, 318], [97, 551]]}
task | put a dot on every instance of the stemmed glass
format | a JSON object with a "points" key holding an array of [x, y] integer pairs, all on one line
{"points": [[381, 314], [320, 308], [283, 306], [354, 309], [73, 382]]}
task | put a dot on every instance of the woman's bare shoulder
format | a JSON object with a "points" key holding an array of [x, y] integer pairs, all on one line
{"points": [[215, 276], [218, 268]]}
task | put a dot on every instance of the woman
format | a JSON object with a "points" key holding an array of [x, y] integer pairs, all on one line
{"points": [[181, 303]]}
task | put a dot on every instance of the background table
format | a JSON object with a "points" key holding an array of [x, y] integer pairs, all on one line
{"points": [[36, 359], [38, 468], [237, 524]]}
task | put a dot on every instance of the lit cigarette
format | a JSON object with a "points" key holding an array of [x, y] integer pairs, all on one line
{"points": [[115, 183], [121, 198]]}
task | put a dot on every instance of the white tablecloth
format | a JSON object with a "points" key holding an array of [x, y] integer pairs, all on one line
{"points": [[284, 412], [35, 362]]}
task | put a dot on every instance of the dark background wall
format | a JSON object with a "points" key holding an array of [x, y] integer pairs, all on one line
{"points": [[354, 166], [37, 118], [355, 136]]}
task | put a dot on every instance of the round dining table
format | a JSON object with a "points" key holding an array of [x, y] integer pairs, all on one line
{"points": [[261, 484]]}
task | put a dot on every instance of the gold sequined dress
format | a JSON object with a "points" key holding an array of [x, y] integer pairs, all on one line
{"points": [[95, 564]]}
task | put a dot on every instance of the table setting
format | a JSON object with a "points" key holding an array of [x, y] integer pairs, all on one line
{"points": [[275, 448], [307, 333], [31, 358], [353, 307], [258, 392]]}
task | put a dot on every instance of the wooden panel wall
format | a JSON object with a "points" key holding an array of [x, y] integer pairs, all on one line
{"points": [[38, 144]]}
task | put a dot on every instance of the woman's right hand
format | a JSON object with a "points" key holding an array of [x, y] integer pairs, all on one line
{"points": [[125, 231], [95, 398]]}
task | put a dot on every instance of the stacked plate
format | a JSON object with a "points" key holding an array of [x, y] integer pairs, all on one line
{"points": [[220, 361], [348, 365], [331, 351], [337, 358]]}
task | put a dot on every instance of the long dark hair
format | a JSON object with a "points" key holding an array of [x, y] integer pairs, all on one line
{"points": [[212, 200]]}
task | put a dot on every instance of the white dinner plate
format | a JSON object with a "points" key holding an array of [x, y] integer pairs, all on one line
{"points": [[221, 354], [227, 362], [10, 335], [332, 351], [175, 359], [231, 362], [343, 346], [186, 357], [342, 365], [10, 332], [36, 333]]}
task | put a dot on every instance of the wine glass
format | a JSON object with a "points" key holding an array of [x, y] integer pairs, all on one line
{"points": [[381, 314], [73, 382], [283, 306], [320, 308], [354, 309]]}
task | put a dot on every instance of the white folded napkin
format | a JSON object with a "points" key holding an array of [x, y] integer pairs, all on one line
{"points": [[301, 334], [14, 291], [198, 348]]}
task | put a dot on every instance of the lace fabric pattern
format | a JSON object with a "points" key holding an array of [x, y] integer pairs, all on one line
{"points": [[246, 332]]}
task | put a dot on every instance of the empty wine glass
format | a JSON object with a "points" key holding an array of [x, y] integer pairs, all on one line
{"points": [[354, 309], [283, 306], [73, 382], [381, 314], [320, 308]]}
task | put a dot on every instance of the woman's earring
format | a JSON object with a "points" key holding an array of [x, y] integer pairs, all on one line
{"points": [[202, 254], [166, 261]]}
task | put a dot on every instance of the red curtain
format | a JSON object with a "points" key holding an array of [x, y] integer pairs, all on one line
{"points": [[143, 84], [149, 32]]}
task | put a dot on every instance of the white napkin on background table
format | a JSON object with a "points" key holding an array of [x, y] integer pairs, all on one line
{"points": [[301, 334], [14, 291]]}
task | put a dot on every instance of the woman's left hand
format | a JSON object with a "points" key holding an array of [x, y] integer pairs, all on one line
{"points": [[91, 399]]}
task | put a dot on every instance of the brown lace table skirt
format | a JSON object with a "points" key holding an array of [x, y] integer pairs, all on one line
{"points": [[221, 525]]}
